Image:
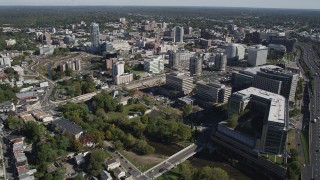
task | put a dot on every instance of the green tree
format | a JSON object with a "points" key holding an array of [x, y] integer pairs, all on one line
{"points": [[119, 108], [294, 170], [96, 160], [15, 123], [233, 120], [143, 148], [211, 173], [32, 131], [118, 145], [187, 110], [186, 170]]}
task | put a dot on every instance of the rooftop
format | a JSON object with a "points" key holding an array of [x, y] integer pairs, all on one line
{"points": [[68, 126], [253, 71], [277, 112]]}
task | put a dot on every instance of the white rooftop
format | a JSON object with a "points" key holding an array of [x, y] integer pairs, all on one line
{"points": [[254, 70], [278, 103]]}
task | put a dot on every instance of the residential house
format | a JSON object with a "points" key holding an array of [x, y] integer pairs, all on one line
{"points": [[119, 173], [112, 164]]}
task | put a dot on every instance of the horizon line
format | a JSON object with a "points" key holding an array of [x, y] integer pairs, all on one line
{"points": [[194, 6]]}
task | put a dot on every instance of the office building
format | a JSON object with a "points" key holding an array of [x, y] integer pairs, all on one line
{"points": [[220, 62], [45, 38], [269, 78], [123, 78], [118, 68], [288, 81], [257, 55], [274, 110], [180, 60], [46, 50], [173, 60], [195, 67], [213, 92], [108, 63], [178, 33], [95, 36], [154, 66], [234, 52], [180, 82], [276, 51]]}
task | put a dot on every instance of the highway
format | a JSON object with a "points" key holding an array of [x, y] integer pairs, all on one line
{"points": [[309, 57]]}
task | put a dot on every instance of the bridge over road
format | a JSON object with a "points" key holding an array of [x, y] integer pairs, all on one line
{"points": [[172, 161]]}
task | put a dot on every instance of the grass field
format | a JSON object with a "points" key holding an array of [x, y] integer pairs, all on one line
{"points": [[126, 110], [305, 144], [143, 163]]}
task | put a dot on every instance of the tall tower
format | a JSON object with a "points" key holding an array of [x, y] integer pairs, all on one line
{"points": [[220, 62], [178, 33], [95, 35], [118, 69], [195, 66]]}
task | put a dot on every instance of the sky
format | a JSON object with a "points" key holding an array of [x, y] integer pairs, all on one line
{"points": [[290, 4]]}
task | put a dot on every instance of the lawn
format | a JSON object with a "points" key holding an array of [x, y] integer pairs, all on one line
{"points": [[173, 174], [305, 144], [126, 110], [292, 143], [143, 163], [274, 158]]}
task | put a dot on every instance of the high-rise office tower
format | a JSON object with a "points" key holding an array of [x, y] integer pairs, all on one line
{"points": [[257, 55], [273, 109], [195, 66], [118, 68], [178, 33], [235, 52], [95, 36], [173, 60], [220, 62]]}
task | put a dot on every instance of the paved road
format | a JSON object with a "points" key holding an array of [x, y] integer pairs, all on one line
{"points": [[313, 171], [125, 164]]}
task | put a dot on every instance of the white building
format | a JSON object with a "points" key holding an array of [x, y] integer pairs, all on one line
{"points": [[7, 106], [5, 61], [123, 79], [155, 66], [112, 164], [18, 69], [257, 55], [46, 50], [11, 42], [235, 52], [118, 68], [95, 35]]}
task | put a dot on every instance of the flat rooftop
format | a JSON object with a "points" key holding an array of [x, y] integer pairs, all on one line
{"points": [[253, 71], [277, 111]]}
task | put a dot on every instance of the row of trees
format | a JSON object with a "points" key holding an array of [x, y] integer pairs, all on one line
{"points": [[77, 86], [187, 172]]}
